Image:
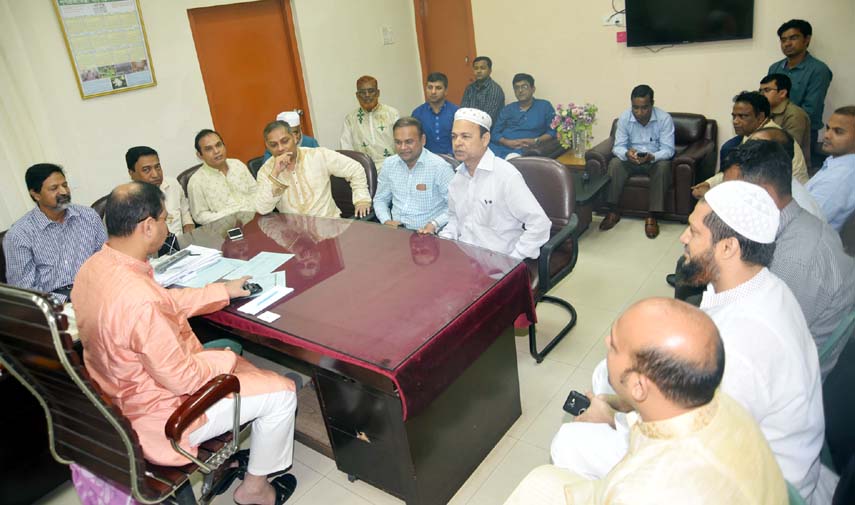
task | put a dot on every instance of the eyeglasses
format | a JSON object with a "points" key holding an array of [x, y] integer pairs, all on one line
{"points": [[366, 92]]}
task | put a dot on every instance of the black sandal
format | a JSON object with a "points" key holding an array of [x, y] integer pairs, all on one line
{"points": [[230, 474], [284, 485]]}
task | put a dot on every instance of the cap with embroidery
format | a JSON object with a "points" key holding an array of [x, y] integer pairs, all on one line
{"points": [[747, 208], [476, 116], [289, 116]]}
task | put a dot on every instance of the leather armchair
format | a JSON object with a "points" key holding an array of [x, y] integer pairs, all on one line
{"points": [[184, 177], [694, 161], [100, 206], [552, 148], [254, 165], [340, 188], [847, 235]]}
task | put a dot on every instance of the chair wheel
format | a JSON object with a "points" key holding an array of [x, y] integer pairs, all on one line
{"points": [[351, 478]]}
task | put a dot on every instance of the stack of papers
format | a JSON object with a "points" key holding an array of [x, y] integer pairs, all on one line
{"points": [[188, 267]]}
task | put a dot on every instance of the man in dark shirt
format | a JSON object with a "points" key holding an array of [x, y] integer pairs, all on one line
{"points": [[810, 77], [485, 93]]}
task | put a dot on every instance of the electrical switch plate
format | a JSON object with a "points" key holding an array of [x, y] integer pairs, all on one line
{"points": [[621, 37], [614, 20], [388, 36]]}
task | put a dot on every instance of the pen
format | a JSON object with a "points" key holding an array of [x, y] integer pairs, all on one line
{"points": [[270, 294]]}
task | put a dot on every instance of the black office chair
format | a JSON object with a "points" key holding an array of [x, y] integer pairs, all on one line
{"points": [[254, 165], [847, 235], [184, 177], [839, 409], [100, 206], [451, 160], [84, 426], [552, 186], [341, 192], [2, 257]]}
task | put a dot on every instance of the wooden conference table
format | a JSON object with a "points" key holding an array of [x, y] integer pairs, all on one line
{"points": [[408, 338]]}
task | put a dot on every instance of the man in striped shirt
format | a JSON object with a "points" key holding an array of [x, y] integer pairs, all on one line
{"points": [[45, 248], [415, 182]]}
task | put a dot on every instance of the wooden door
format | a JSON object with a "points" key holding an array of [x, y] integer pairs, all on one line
{"points": [[251, 69], [447, 41]]}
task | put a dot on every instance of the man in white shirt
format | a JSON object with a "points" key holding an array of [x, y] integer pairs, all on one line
{"points": [[222, 186], [489, 203], [771, 367], [144, 166]]}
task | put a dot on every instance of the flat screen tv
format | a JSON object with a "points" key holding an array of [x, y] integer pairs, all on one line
{"points": [[657, 22]]}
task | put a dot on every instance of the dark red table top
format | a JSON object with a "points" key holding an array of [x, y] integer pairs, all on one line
{"points": [[405, 305]]}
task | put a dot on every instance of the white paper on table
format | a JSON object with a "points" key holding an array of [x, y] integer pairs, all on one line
{"points": [[265, 300], [268, 317], [261, 264], [212, 273]]}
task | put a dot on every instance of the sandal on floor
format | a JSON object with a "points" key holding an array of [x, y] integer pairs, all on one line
{"points": [[284, 485], [230, 474]]}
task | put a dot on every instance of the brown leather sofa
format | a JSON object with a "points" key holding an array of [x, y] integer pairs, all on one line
{"points": [[552, 148], [694, 161]]}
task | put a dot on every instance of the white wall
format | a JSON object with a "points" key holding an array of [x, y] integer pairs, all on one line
{"points": [[563, 44], [560, 42], [43, 117]]}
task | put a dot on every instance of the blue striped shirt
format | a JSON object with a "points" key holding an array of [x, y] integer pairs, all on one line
{"points": [[418, 195], [45, 255]]}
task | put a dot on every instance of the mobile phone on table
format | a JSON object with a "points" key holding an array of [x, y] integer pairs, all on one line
{"points": [[576, 403], [235, 234]]}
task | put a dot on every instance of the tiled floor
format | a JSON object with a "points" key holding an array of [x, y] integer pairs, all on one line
{"points": [[615, 269]]}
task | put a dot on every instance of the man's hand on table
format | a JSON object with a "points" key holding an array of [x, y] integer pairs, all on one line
{"points": [[235, 288], [427, 229], [362, 209]]}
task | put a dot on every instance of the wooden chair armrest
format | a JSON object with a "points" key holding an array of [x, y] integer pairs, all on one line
{"points": [[213, 391]]}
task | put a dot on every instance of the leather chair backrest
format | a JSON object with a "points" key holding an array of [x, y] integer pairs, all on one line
{"points": [[451, 160], [100, 206], [2, 257], [847, 235], [254, 165], [184, 177], [552, 185], [341, 192], [84, 427]]}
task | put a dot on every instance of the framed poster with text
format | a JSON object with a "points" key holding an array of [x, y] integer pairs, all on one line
{"points": [[107, 45]]}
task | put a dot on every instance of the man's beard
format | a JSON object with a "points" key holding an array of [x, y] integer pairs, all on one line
{"points": [[698, 271], [62, 202]]}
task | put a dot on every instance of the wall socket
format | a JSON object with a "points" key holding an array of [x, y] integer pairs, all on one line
{"points": [[614, 20]]}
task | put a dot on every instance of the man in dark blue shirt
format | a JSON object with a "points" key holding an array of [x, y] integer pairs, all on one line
{"points": [[436, 114], [810, 77], [524, 123]]}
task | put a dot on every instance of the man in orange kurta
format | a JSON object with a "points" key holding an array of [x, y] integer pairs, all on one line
{"points": [[140, 349]]}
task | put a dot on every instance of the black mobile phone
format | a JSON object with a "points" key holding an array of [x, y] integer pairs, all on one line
{"points": [[576, 403], [235, 234], [640, 154]]}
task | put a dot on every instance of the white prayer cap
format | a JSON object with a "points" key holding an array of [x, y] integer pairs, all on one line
{"points": [[476, 116], [289, 116], [747, 208]]}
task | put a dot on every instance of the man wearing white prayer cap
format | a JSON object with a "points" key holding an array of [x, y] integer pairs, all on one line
{"points": [[292, 117], [489, 203], [771, 364]]}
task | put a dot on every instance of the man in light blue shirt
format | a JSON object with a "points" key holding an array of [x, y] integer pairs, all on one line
{"points": [[644, 143], [524, 123], [833, 186], [414, 181]]}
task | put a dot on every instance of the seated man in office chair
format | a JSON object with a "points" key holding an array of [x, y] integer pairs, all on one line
{"points": [[297, 179], [140, 349], [45, 248]]}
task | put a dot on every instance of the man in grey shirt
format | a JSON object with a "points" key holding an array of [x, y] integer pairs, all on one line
{"points": [[809, 256]]}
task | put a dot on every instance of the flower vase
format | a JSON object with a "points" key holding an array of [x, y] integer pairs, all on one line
{"points": [[580, 141]]}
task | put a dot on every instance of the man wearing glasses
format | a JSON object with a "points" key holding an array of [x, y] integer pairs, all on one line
{"points": [[786, 114], [368, 129], [524, 123]]}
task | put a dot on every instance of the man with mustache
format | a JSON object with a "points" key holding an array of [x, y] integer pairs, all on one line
{"points": [[45, 248], [368, 129]]}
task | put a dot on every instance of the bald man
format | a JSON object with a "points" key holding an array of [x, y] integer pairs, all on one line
{"points": [[687, 443], [772, 365], [368, 129]]}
